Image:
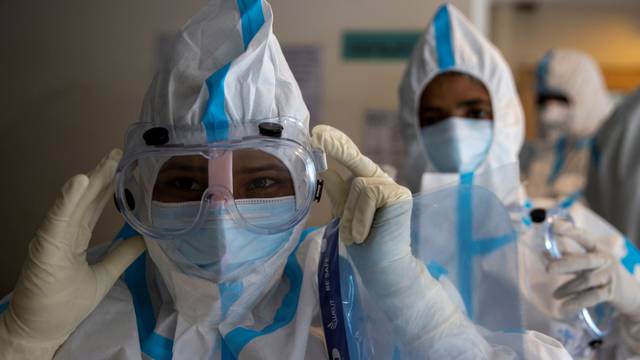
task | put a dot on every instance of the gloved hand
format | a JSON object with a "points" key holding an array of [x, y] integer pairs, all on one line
{"points": [[355, 202], [57, 288], [599, 276], [376, 221]]}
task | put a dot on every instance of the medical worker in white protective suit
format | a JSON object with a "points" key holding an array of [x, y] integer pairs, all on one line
{"points": [[613, 183], [572, 103], [462, 120], [218, 177]]}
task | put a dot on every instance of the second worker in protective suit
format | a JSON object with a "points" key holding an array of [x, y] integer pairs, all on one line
{"points": [[462, 122]]}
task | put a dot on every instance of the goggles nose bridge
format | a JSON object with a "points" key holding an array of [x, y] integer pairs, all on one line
{"points": [[220, 174]]}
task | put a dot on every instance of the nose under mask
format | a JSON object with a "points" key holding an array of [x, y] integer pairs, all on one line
{"points": [[555, 119], [555, 114], [222, 245], [458, 145]]}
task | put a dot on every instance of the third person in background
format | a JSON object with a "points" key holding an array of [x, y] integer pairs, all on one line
{"points": [[572, 103]]}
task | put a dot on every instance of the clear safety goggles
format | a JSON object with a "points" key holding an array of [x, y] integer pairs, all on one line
{"points": [[263, 175]]}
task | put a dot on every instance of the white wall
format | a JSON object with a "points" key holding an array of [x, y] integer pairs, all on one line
{"points": [[74, 74], [608, 30]]}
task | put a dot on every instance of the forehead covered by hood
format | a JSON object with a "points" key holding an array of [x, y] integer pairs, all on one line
{"points": [[452, 44], [577, 76], [225, 69]]}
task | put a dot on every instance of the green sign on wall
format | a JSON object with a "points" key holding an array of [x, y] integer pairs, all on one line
{"points": [[378, 45]]}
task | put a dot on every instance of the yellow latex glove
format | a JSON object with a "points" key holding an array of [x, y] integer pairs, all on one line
{"points": [[57, 288]]}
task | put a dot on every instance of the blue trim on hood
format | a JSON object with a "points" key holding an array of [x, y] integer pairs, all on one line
{"points": [[215, 118], [542, 72], [252, 19], [444, 43]]}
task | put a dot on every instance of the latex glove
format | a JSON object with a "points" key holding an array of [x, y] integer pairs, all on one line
{"points": [[57, 288], [355, 201], [376, 216], [599, 276]]}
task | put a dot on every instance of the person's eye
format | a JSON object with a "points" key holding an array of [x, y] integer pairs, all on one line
{"points": [[187, 184], [478, 114], [260, 183], [428, 118]]}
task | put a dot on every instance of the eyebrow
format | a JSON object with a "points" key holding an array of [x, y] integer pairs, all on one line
{"points": [[185, 168], [473, 102], [261, 168], [432, 108]]}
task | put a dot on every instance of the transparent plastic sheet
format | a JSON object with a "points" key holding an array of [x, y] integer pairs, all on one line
{"points": [[466, 234], [503, 181], [475, 252], [481, 257]]}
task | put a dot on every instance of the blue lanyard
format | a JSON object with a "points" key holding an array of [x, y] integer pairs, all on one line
{"points": [[330, 296]]}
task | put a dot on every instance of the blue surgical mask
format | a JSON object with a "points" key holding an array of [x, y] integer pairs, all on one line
{"points": [[222, 245], [458, 145]]}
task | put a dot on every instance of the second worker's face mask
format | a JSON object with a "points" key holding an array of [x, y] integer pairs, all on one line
{"points": [[458, 145]]}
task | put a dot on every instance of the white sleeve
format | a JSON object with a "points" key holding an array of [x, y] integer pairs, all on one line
{"points": [[424, 319]]}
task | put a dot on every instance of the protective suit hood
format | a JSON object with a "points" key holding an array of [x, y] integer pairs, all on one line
{"points": [[225, 68], [452, 44], [578, 77]]}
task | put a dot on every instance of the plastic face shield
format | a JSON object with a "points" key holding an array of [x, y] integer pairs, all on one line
{"points": [[172, 180]]}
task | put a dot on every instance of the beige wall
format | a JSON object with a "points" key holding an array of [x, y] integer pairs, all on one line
{"points": [[609, 31], [74, 74]]}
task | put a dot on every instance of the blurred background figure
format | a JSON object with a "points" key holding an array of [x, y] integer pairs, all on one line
{"points": [[613, 183], [572, 102]]}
